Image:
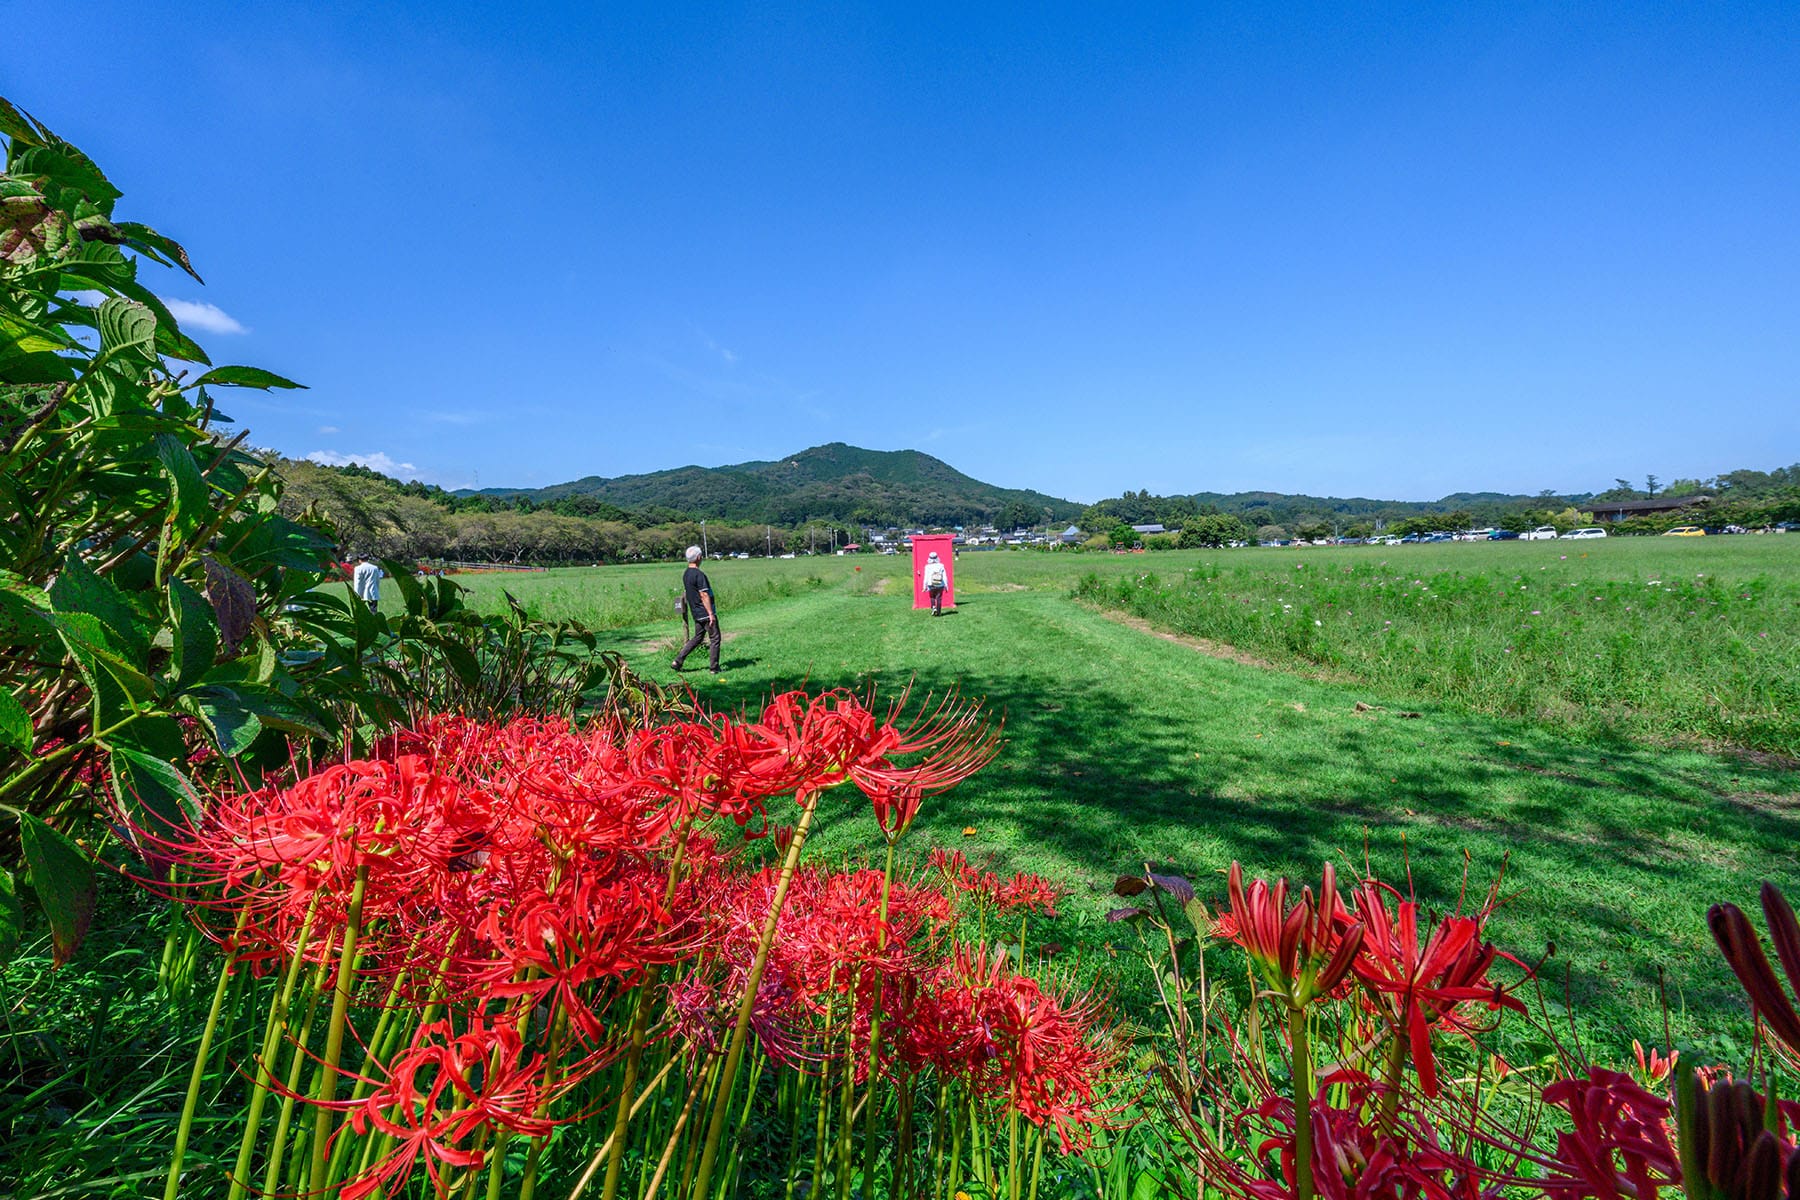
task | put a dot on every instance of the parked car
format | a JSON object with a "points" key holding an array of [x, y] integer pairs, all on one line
{"points": [[1504, 535], [1409, 539], [1586, 531], [1437, 537], [1543, 533], [1685, 531]]}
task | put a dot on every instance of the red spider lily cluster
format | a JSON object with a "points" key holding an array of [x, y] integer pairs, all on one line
{"points": [[502, 900], [1020, 893]]}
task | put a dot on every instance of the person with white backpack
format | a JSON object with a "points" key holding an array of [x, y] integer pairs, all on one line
{"points": [[935, 580]]}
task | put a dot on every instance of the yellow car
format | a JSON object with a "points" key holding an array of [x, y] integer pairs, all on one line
{"points": [[1685, 531]]}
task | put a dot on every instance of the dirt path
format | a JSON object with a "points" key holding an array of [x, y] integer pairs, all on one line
{"points": [[1204, 646]]}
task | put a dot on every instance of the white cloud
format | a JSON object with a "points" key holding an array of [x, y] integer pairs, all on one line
{"points": [[392, 467], [378, 461], [328, 429], [197, 314]]}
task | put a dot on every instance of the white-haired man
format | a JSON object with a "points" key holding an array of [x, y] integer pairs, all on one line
{"points": [[697, 590]]}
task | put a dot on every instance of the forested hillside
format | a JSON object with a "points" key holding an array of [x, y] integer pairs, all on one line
{"points": [[834, 482]]}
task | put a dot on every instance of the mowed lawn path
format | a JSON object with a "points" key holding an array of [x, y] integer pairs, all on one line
{"points": [[1123, 747]]}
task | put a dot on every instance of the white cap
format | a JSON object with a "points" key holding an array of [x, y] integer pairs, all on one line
{"points": [[693, 554], [932, 557]]}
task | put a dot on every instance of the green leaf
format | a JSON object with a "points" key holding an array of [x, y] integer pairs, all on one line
{"points": [[196, 636], [97, 653], [63, 879], [246, 703], [20, 127], [170, 341], [275, 541], [15, 723], [183, 473], [234, 727], [163, 249], [159, 798], [127, 325], [78, 590], [12, 916], [66, 167], [467, 669], [252, 377], [403, 578]]}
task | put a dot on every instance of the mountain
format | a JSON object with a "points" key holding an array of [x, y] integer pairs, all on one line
{"points": [[830, 482]]}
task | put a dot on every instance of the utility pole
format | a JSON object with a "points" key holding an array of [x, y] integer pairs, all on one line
{"points": [[703, 539], [768, 542]]}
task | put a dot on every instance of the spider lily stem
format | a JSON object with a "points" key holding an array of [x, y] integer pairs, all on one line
{"points": [[291, 1085], [650, 1088], [701, 1074], [173, 1186], [887, 884], [325, 1094], [273, 1032], [640, 1026], [1301, 1044], [734, 1055]]}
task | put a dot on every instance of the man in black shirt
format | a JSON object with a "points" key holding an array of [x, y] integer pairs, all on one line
{"points": [[698, 591]]}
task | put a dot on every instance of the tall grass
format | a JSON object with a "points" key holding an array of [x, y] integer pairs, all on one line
{"points": [[1643, 640], [617, 597]]}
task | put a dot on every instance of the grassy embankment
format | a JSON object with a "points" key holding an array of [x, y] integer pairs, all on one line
{"points": [[1125, 748]]}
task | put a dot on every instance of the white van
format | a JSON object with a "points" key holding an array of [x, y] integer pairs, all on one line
{"points": [[1543, 533], [1590, 531]]}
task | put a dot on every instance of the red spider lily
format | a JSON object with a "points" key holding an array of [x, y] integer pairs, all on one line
{"points": [[442, 1090], [1030, 893], [1417, 989], [517, 876], [708, 768], [1014, 1043], [1618, 1148], [1742, 949], [957, 871], [1302, 952], [946, 744], [552, 946], [1027, 893]]}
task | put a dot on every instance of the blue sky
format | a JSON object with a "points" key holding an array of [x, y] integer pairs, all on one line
{"points": [[1390, 251]]}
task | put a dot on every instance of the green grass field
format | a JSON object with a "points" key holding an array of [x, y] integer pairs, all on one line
{"points": [[1124, 747]]}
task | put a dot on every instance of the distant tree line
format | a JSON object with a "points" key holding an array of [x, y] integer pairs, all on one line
{"points": [[1745, 497], [374, 514]]}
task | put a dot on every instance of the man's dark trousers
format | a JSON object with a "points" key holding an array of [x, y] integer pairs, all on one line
{"points": [[705, 630]]}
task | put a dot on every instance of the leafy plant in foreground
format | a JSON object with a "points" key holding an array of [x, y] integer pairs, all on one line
{"points": [[163, 627]]}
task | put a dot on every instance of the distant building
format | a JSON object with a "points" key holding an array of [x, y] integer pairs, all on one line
{"points": [[1148, 529], [1622, 510], [1071, 534]]}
